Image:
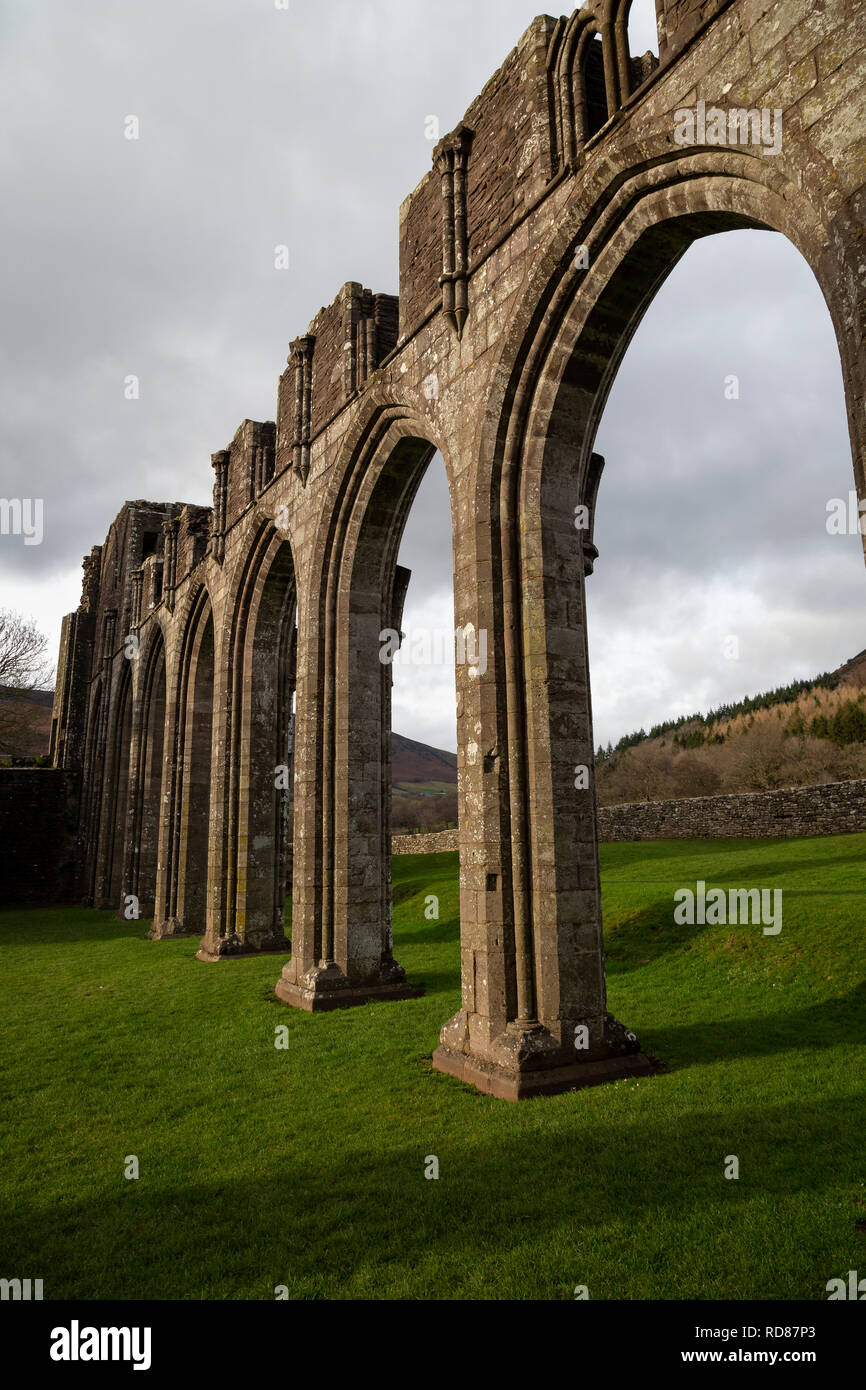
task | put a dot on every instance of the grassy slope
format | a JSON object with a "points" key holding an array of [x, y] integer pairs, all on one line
{"points": [[424, 788], [305, 1167]]}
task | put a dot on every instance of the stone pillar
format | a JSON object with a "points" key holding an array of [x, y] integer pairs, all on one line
{"points": [[220, 462], [132, 843], [252, 699], [103, 828], [221, 940], [288, 680], [298, 983], [451, 158], [183, 862], [169, 566], [111, 860], [165, 919], [94, 782], [136, 577], [533, 1017], [341, 929], [301, 360]]}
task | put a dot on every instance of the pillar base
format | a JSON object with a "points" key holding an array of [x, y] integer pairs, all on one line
{"points": [[493, 1080], [166, 929], [527, 1060], [230, 947], [325, 987]]}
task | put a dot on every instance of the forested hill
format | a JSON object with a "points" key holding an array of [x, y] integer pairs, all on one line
{"points": [[808, 732]]}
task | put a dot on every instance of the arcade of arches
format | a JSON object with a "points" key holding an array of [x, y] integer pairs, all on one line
{"points": [[220, 688]]}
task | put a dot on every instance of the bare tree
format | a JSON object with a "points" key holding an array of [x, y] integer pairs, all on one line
{"points": [[24, 667]]}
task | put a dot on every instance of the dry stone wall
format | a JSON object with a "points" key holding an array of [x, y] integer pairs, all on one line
{"points": [[838, 808], [434, 843]]}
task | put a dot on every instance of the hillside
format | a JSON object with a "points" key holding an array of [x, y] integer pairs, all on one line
{"points": [[854, 671], [25, 722], [804, 734], [414, 763], [424, 782]]}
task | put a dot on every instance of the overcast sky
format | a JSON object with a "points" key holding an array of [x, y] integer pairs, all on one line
{"points": [[306, 127]]}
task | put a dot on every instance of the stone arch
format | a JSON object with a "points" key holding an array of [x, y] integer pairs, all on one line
{"points": [[582, 78], [664, 201], [342, 940], [116, 804], [633, 246], [94, 762], [181, 891], [149, 731], [253, 816], [522, 375], [537, 466]]}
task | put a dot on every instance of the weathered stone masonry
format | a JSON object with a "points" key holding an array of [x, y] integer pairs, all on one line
{"points": [[500, 353], [838, 808]]}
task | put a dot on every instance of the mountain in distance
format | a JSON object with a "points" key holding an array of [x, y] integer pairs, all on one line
{"points": [[414, 765], [25, 722]]}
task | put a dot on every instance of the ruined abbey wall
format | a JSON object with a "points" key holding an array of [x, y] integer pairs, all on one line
{"points": [[219, 645]]}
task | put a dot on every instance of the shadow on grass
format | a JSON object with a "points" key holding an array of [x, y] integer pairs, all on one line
{"points": [[619, 876], [823, 1025], [618, 853], [50, 926], [635, 938], [319, 1222], [424, 933]]}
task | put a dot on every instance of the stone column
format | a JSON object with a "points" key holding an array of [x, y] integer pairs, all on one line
{"points": [[341, 931], [533, 1017], [303, 982], [132, 838], [165, 919], [220, 462], [221, 940], [169, 566]]}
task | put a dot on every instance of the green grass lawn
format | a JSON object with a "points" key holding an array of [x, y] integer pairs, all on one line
{"points": [[305, 1167], [425, 788]]}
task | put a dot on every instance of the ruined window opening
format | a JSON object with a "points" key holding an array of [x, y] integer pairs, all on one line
{"points": [[594, 87], [643, 42], [643, 34]]}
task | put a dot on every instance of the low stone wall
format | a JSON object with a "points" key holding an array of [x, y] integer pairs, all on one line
{"points": [[425, 844], [838, 808], [39, 862]]}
